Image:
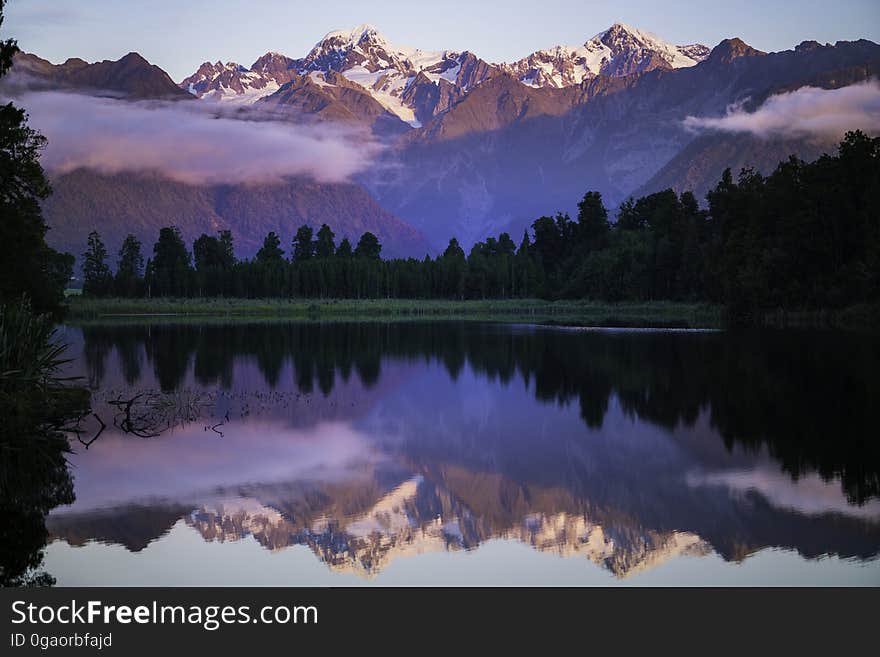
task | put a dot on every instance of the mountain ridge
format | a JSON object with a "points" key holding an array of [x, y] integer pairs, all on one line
{"points": [[618, 51], [416, 85], [131, 76]]}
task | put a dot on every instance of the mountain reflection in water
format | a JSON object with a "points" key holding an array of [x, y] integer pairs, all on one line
{"points": [[369, 442]]}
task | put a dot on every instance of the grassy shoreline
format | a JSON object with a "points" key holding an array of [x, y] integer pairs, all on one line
{"points": [[657, 314]]}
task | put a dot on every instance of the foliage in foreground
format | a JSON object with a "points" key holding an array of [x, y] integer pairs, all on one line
{"points": [[37, 404]]}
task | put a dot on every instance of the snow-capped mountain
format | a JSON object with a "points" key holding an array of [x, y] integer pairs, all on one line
{"points": [[395, 77], [415, 85], [620, 50], [367, 49], [233, 82], [391, 74], [395, 527]]}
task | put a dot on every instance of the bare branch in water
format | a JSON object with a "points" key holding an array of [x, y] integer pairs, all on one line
{"points": [[148, 414], [96, 436]]}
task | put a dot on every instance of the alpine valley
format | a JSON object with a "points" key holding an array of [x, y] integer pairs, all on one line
{"points": [[461, 146]]}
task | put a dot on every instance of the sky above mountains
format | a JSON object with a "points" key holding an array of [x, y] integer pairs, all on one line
{"points": [[179, 36]]}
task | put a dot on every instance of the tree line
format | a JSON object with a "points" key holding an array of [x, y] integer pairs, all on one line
{"points": [[806, 236]]}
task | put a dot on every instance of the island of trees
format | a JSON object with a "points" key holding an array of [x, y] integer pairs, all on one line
{"points": [[806, 236]]}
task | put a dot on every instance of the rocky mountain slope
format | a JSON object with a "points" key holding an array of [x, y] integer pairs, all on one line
{"points": [[141, 204]]}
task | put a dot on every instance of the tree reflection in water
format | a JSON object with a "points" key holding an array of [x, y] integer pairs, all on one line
{"points": [[806, 397], [796, 402]]}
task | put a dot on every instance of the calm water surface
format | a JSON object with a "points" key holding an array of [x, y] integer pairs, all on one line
{"points": [[470, 453]]}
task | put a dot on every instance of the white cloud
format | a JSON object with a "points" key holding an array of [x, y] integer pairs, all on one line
{"points": [[189, 141], [809, 494], [808, 112]]}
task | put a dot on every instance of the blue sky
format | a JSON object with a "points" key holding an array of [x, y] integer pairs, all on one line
{"points": [[180, 34]]}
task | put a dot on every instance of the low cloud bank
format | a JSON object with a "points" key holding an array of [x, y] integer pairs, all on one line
{"points": [[808, 112], [189, 142]]}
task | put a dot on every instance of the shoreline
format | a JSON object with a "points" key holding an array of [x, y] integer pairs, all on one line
{"points": [[644, 314], [659, 314]]}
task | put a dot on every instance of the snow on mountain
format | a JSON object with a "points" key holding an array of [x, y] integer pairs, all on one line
{"points": [[632, 51], [397, 526], [361, 55], [365, 46], [416, 84], [234, 83], [364, 56], [620, 50]]}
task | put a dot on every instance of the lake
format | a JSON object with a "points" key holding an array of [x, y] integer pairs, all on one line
{"points": [[434, 453]]}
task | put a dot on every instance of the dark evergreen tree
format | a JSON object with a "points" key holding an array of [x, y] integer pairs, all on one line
{"points": [[368, 246], [97, 279], [303, 244], [227, 250], [344, 249], [170, 267], [452, 266], [214, 261], [324, 245], [593, 227], [506, 245], [27, 265], [270, 252], [129, 268]]}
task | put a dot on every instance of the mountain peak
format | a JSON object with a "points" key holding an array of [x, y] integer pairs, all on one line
{"points": [[351, 38], [134, 58], [343, 49], [619, 51], [730, 49], [806, 46], [272, 62], [621, 37], [620, 28]]}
